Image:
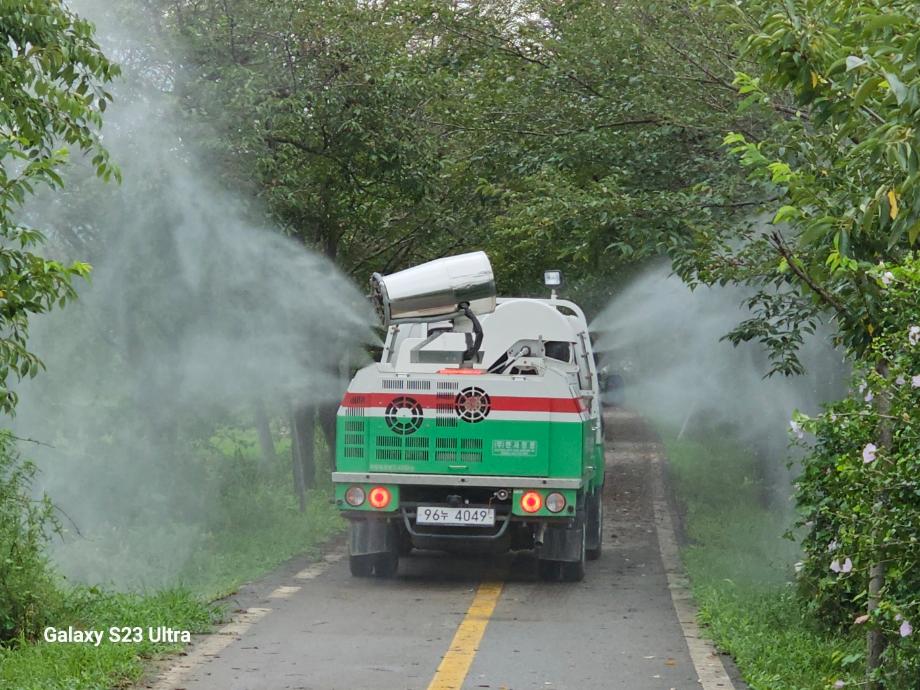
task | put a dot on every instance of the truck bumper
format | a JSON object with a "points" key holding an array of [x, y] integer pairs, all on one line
{"points": [[459, 480]]}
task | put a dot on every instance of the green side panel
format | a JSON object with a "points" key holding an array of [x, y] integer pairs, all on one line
{"points": [[489, 447]]}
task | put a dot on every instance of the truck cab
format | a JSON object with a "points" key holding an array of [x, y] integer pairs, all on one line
{"points": [[474, 430]]}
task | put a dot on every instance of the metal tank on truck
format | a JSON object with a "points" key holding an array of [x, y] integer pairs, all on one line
{"points": [[479, 427]]}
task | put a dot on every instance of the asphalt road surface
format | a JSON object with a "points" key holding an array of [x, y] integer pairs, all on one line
{"points": [[451, 622]]}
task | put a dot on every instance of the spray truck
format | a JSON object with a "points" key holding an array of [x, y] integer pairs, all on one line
{"points": [[479, 427]]}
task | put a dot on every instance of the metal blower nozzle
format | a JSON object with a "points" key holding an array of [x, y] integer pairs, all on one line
{"points": [[435, 290]]}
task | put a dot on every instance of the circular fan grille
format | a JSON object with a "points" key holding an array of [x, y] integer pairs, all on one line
{"points": [[472, 405], [404, 415]]}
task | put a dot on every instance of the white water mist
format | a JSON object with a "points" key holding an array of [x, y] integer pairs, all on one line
{"points": [[666, 341], [193, 314]]}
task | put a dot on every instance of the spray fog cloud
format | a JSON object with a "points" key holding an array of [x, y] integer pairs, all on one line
{"points": [[666, 339], [192, 315]]}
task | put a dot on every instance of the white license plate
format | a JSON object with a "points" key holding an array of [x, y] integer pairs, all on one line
{"points": [[459, 517]]}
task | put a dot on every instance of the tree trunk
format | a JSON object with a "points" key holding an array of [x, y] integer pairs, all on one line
{"points": [[875, 638], [327, 417], [304, 430], [296, 465], [266, 443]]}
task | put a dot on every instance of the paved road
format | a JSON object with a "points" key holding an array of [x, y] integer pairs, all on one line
{"points": [[321, 629]]}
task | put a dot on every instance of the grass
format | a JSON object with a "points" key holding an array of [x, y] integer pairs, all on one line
{"points": [[253, 527], [75, 666], [741, 570]]}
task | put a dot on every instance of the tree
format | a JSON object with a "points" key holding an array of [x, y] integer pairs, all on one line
{"points": [[52, 78], [841, 175]]}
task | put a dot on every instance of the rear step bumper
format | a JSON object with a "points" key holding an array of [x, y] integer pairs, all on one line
{"points": [[458, 480]]}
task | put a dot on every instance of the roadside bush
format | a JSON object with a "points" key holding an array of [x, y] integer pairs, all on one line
{"points": [[28, 592], [860, 493]]}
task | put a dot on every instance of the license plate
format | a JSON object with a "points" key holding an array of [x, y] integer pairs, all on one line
{"points": [[458, 517]]}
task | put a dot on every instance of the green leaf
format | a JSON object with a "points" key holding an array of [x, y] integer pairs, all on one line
{"points": [[853, 62], [866, 90], [897, 87], [785, 213]]}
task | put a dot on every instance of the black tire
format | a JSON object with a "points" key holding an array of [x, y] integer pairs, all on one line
{"points": [[595, 525], [363, 565], [386, 564], [549, 571]]}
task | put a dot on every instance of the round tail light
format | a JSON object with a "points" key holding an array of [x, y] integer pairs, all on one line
{"points": [[354, 496], [379, 497], [555, 502], [531, 502]]}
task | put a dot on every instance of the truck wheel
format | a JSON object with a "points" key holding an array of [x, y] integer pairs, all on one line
{"points": [[363, 565], [549, 571], [595, 526], [386, 564]]}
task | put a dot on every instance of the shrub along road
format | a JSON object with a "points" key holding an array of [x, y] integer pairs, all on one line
{"points": [[450, 621]]}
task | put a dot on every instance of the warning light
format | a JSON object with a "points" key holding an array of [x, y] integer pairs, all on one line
{"points": [[379, 497], [531, 502]]}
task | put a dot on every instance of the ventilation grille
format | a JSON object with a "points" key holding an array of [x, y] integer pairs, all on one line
{"points": [[353, 438], [448, 385], [445, 449], [454, 449], [355, 406], [393, 384], [419, 385], [445, 415], [407, 448]]}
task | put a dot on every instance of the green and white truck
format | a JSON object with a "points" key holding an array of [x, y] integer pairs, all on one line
{"points": [[480, 426]]}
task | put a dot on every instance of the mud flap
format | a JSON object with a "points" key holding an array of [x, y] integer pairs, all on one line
{"points": [[562, 543], [373, 536]]}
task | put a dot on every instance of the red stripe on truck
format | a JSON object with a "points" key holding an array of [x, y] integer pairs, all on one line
{"points": [[503, 403]]}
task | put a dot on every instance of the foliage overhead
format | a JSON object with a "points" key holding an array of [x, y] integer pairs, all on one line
{"points": [[384, 134], [840, 171]]}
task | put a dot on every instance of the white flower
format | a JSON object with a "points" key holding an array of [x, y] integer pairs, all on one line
{"points": [[799, 566], [900, 381], [862, 386], [835, 565], [913, 335], [839, 684], [796, 429], [906, 629], [869, 397], [915, 381], [847, 566], [869, 453], [887, 277], [832, 546]]}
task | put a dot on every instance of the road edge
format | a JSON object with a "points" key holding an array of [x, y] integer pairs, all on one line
{"points": [[167, 672], [706, 659]]}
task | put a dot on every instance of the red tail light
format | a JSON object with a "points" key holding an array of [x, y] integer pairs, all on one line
{"points": [[531, 502], [379, 497]]}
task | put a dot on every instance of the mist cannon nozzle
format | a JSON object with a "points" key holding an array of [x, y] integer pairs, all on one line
{"points": [[436, 291]]}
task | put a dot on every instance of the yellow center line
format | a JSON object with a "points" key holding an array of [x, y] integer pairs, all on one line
{"points": [[456, 663]]}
